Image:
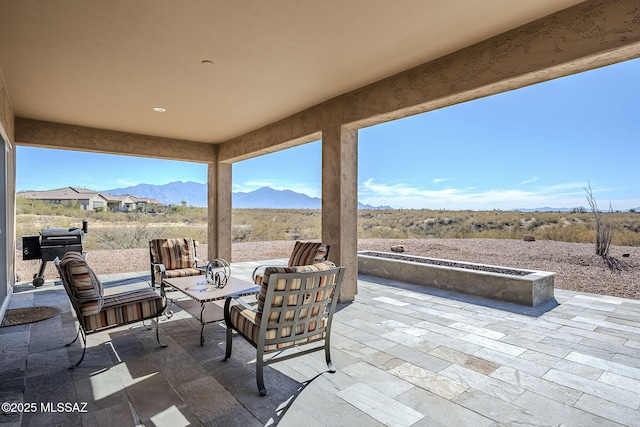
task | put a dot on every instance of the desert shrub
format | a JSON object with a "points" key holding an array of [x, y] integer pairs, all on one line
{"points": [[134, 229], [533, 223], [240, 232], [185, 214], [138, 235], [572, 233], [630, 226], [382, 232], [603, 227], [626, 238], [277, 224], [38, 207]]}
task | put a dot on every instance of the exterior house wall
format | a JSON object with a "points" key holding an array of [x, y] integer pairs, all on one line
{"points": [[7, 194], [82, 203], [98, 201], [127, 204]]}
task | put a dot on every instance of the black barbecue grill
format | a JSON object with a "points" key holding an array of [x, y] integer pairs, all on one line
{"points": [[52, 243]]}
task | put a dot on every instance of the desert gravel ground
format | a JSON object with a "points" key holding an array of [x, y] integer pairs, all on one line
{"points": [[576, 265]]}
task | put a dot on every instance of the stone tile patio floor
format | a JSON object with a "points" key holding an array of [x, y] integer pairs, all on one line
{"points": [[405, 356]]}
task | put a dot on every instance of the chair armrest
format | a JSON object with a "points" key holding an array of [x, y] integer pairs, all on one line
{"points": [[240, 301], [227, 308], [161, 267], [157, 267], [263, 266]]}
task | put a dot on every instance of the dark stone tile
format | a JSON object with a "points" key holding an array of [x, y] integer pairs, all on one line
{"points": [[48, 361], [177, 415], [47, 335], [13, 361], [12, 391], [208, 352], [48, 328], [12, 418], [152, 395], [240, 381], [126, 344], [210, 401], [49, 389], [97, 357], [120, 415], [140, 366], [26, 328], [179, 369], [12, 383], [101, 391], [232, 374]]}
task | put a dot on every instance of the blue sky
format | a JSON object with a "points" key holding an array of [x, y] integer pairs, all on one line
{"points": [[534, 147]]}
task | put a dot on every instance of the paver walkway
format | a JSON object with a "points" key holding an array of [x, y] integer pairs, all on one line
{"points": [[405, 356]]}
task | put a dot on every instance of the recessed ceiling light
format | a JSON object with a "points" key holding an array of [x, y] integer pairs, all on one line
{"points": [[159, 109]]}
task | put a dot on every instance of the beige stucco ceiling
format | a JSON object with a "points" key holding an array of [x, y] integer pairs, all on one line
{"points": [[107, 63]]}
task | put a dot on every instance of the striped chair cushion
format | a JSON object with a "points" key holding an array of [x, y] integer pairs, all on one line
{"points": [[304, 253], [173, 253], [83, 284], [183, 272], [321, 254], [245, 320], [125, 308]]}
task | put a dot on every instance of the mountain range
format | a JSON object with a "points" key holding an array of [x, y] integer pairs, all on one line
{"points": [[195, 194]]}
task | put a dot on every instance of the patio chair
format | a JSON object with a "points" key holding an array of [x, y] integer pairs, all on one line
{"points": [[173, 258], [304, 253], [95, 311], [294, 308]]}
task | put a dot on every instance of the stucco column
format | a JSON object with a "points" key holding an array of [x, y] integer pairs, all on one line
{"points": [[219, 210], [340, 203]]}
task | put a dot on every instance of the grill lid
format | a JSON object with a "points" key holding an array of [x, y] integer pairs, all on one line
{"points": [[61, 236]]}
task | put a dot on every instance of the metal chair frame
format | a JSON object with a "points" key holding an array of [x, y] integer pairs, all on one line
{"points": [[83, 331], [161, 266], [305, 302]]}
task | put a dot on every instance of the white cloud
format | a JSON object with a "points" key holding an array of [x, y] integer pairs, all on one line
{"points": [[563, 195], [403, 195], [533, 179]]}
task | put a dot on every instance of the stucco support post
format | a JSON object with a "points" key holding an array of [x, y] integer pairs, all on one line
{"points": [[340, 203], [219, 210]]}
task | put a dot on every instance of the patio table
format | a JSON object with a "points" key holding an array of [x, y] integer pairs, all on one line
{"points": [[205, 294]]}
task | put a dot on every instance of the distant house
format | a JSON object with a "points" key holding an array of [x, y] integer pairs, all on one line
{"points": [[145, 203], [123, 203], [84, 198], [90, 199], [127, 202]]}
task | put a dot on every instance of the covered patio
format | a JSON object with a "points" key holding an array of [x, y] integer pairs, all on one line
{"points": [[405, 356], [238, 81], [217, 83]]}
